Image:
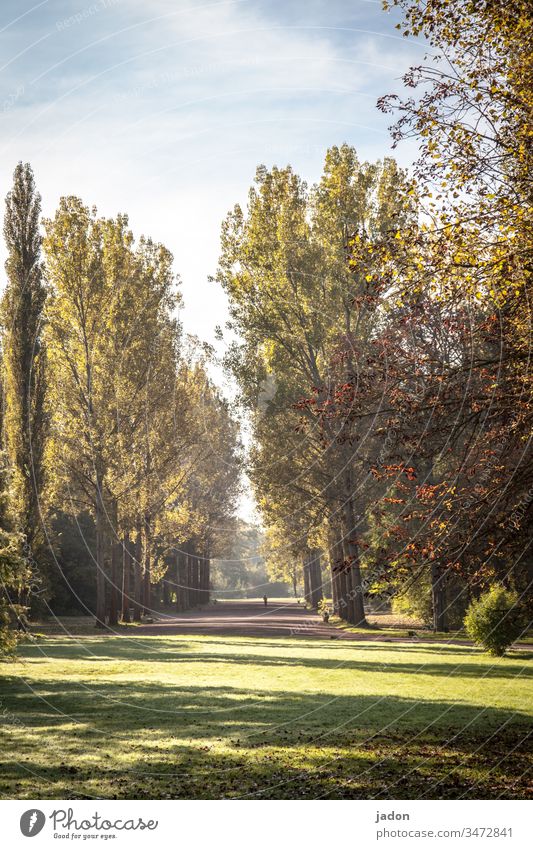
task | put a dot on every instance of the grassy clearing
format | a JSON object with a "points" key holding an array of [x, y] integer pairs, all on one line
{"points": [[377, 628], [386, 627], [203, 717]]}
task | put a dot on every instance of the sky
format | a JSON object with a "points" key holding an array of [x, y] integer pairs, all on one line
{"points": [[163, 109]]}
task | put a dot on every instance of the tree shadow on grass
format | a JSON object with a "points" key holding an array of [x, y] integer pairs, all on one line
{"points": [[214, 742], [394, 769], [200, 711], [170, 651]]}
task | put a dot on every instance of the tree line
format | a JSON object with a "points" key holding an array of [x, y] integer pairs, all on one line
{"points": [[381, 325], [383, 337], [111, 425]]}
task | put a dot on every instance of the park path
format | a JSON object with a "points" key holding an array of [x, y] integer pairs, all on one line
{"points": [[279, 619], [243, 619]]}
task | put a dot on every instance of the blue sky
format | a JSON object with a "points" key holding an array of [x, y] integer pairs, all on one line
{"points": [[163, 109]]}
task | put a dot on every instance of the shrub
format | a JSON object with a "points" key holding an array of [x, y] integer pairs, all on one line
{"points": [[414, 601], [495, 620], [325, 609], [8, 637]]}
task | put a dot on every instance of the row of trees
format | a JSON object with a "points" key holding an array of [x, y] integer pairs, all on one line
{"points": [[292, 292], [389, 316], [109, 414]]}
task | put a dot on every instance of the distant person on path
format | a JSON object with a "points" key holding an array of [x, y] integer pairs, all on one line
{"points": [[265, 599]]}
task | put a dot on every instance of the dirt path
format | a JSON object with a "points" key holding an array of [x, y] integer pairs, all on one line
{"points": [[244, 619], [282, 619]]}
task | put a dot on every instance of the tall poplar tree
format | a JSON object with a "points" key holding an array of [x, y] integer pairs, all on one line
{"points": [[112, 365], [13, 567], [285, 267], [25, 422]]}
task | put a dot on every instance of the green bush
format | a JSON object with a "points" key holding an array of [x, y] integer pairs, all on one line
{"points": [[414, 601], [8, 637], [495, 620]]}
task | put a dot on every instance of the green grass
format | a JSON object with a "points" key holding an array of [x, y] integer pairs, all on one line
{"points": [[376, 630], [423, 633], [206, 717]]}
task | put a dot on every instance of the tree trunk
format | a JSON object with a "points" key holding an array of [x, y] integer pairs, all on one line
{"points": [[438, 599], [190, 579], [165, 584], [114, 589], [199, 581], [197, 578], [208, 580], [126, 574], [342, 593], [356, 607], [100, 559], [137, 577], [193, 579], [307, 587], [315, 573], [334, 588], [205, 577], [147, 576], [336, 558], [333, 567], [351, 615], [183, 579], [177, 588]]}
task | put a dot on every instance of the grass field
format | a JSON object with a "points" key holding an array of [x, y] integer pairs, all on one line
{"points": [[205, 717]]}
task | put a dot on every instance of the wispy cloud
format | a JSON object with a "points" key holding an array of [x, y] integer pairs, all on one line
{"points": [[164, 110]]}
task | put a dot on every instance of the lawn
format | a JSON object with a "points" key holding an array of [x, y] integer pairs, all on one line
{"points": [[205, 717]]}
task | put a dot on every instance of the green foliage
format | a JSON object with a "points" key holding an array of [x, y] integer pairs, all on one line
{"points": [[325, 609], [415, 600], [495, 620], [8, 637], [141, 437], [284, 266], [281, 553], [72, 587], [457, 602], [24, 355], [14, 571]]}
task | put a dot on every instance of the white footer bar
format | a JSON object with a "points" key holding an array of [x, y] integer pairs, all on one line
{"points": [[267, 824]]}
